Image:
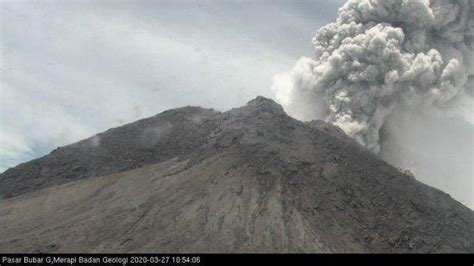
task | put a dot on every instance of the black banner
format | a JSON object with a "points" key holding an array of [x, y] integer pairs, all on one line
{"points": [[237, 259]]}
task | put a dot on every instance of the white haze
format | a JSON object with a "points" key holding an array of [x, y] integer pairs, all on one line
{"points": [[397, 76]]}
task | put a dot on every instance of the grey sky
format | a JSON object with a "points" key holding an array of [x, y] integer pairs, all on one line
{"points": [[70, 69]]}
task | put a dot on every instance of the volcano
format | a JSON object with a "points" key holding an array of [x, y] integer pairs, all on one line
{"points": [[251, 179]]}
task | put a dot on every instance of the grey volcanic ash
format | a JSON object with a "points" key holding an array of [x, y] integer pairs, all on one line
{"points": [[384, 59]]}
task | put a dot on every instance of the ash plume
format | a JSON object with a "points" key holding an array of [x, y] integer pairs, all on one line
{"points": [[381, 56]]}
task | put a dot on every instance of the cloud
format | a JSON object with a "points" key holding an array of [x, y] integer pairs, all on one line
{"points": [[380, 55]]}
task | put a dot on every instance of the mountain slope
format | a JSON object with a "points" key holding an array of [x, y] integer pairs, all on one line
{"points": [[248, 180]]}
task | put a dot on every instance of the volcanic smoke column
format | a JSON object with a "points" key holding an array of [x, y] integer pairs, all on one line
{"points": [[380, 55]]}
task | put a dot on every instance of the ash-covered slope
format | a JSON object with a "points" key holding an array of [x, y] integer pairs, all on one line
{"points": [[172, 133], [248, 180]]}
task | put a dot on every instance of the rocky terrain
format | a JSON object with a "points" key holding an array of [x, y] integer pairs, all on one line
{"points": [[251, 179]]}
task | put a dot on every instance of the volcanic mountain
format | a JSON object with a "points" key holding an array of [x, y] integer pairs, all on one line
{"points": [[251, 179]]}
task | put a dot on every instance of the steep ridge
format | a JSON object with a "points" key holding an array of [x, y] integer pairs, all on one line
{"points": [[251, 179], [172, 133]]}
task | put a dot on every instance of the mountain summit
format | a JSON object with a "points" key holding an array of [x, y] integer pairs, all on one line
{"points": [[251, 179]]}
